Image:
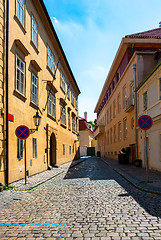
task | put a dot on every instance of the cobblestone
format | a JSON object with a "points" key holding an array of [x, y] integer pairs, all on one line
{"points": [[88, 201]]}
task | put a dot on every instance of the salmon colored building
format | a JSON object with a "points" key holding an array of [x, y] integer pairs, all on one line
{"points": [[115, 107], [40, 81]]}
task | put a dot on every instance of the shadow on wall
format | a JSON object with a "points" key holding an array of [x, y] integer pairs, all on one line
{"points": [[95, 169]]}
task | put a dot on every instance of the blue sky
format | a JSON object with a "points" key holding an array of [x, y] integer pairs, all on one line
{"points": [[90, 32]]}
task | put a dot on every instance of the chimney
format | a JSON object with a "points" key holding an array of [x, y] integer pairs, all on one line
{"points": [[85, 116]]}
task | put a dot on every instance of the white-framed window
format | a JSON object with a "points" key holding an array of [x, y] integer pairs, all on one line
{"points": [[73, 124], [114, 133], [34, 31], [114, 108], [34, 89], [50, 60], [52, 105], [34, 147], [19, 148], [62, 81], [69, 120], [145, 100], [20, 75], [124, 96], [125, 127], [63, 115], [119, 131], [63, 149], [160, 88], [20, 8], [118, 103]]}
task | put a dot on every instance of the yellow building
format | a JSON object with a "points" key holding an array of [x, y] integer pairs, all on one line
{"points": [[115, 106], [2, 98], [40, 80]]}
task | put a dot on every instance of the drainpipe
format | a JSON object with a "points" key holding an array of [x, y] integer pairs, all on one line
{"points": [[7, 41], [135, 99]]}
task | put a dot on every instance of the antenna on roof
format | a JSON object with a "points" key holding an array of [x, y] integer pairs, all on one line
{"points": [[160, 24]]}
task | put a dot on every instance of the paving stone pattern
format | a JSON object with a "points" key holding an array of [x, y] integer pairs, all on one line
{"points": [[88, 201]]}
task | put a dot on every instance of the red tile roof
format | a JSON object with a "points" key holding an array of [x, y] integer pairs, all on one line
{"points": [[154, 33], [83, 125]]}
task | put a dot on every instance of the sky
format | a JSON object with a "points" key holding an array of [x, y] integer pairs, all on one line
{"points": [[90, 32]]}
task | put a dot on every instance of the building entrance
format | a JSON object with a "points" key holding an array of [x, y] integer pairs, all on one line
{"points": [[52, 150]]}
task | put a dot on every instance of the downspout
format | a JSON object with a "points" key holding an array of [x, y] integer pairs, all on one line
{"points": [[7, 133], [135, 100]]}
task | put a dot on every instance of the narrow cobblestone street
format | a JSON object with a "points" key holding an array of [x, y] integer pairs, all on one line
{"points": [[88, 201]]}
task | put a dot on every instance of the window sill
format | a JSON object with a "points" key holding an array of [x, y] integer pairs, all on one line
{"points": [[51, 117], [20, 24], [62, 89], [19, 95], [50, 71], [64, 126], [34, 105], [34, 46]]}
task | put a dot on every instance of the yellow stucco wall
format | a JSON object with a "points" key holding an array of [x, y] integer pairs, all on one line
{"points": [[21, 106], [2, 55]]}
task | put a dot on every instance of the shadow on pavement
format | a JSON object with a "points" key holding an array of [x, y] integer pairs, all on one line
{"points": [[95, 169]]}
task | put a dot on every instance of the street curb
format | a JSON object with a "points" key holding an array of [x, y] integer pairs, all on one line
{"points": [[127, 179]]}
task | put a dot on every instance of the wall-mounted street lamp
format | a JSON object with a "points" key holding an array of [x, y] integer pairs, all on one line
{"points": [[37, 121]]}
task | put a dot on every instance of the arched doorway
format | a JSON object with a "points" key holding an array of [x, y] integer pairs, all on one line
{"points": [[52, 150]]}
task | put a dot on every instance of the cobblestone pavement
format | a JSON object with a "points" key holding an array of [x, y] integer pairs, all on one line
{"points": [[89, 201]]}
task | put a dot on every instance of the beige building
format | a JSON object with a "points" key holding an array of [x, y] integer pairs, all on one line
{"points": [[149, 103], [40, 81], [2, 96], [115, 106], [86, 135]]}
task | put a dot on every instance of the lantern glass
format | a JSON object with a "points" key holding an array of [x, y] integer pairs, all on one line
{"points": [[37, 119]]}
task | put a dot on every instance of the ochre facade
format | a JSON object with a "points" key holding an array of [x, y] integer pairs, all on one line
{"points": [[56, 140], [2, 96], [115, 107]]}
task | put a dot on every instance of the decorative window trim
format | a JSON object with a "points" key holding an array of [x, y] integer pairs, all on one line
{"points": [[33, 19], [18, 69], [21, 47], [34, 89]]}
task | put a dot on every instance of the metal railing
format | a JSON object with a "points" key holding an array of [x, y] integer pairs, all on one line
{"points": [[129, 102]]}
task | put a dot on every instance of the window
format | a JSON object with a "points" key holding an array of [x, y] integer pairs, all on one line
{"points": [[72, 97], [76, 102], [69, 120], [119, 131], [73, 124], [34, 32], [52, 105], [68, 91], [108, 140], [34, 89], [19, 148], [119, 103], [114, 133], [20, 75], [107, 117], [62, 81], [145, 100], [111, 135], [114, 108], [125, 127], [110, 113], [70, 150], [20, 11], [124, 96], [160, 88], [34, 147], [63, 149], [51, 60], [63, 115]]}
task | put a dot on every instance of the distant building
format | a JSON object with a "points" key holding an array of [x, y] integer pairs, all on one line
{"points": [[86, 135], [149, 103], [115, 106]]}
